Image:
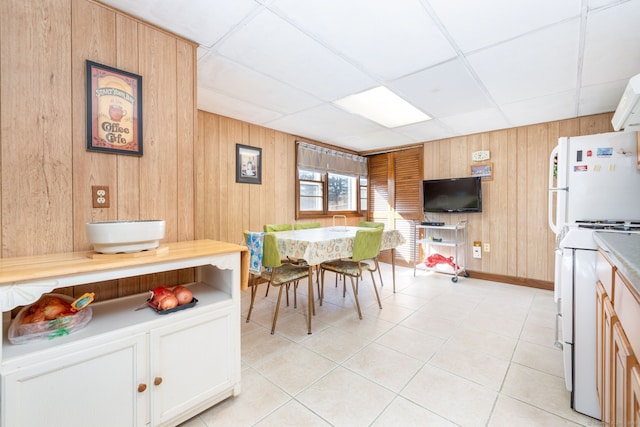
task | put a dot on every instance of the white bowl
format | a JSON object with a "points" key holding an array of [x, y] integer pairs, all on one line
{"points": [[111, 237]]}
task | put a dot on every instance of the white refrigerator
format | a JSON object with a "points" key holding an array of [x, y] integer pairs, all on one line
{"points": [[591, 178], [597, 179]]}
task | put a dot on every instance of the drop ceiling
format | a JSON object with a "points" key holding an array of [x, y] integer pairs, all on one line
{"points": [[473, 66]]}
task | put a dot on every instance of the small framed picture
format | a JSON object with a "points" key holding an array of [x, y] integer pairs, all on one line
{"points": [[248, 164], [483, 170], [114, 110]]}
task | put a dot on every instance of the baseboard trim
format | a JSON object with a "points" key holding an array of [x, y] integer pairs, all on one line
{"points": [[520, 281]]}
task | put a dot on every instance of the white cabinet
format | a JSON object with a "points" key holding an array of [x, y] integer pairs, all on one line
{"points": [[186, 369], [127, 367], [94, 386], [435, 239]]}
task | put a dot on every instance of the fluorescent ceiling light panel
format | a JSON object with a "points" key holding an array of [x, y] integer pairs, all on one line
{"points": [[383, 107]]}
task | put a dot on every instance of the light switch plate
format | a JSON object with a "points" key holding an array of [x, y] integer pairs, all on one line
{"points": [[478, 156]]}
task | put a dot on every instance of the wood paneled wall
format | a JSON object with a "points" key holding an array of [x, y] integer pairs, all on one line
{"points": [[225, 208], [46, 171], [514, 218]]}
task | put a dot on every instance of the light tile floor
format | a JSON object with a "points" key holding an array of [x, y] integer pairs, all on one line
{"points": [[471, 353]]}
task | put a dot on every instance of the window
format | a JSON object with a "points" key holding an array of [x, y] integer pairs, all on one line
{"points": [[344, 194], [364, 187], [330, 182], [311, 191]]}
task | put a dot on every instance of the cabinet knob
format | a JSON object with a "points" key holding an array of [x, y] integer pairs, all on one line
{"points": [[141, 388], [157, 381]]}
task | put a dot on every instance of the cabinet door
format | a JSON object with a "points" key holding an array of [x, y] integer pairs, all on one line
{"points": [[623, 359], [97, 387], [610, 319], [194, 364], [634, 400], [600, 295]]}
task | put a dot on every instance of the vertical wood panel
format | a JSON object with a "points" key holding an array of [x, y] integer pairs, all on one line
{"points": [[93, 32], [185, 132], [126, 187], [159, 166], [36, 118]]}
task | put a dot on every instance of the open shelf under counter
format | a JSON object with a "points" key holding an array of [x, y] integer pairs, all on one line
{"points": [[112, 318]]}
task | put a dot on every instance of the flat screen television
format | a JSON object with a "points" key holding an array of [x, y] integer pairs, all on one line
{"points": [[452, 195]]}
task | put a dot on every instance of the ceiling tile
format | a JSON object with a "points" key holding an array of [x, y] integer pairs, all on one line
{"points": [[214, 102], [612, 45], [368, 32], [541, 109], [427, 131], [601, 98], [326, 121], [443, 90], [271, 45], [203, 21], [476, 121], [477, 24], [520, 69], [237, 81], [374, 140]]}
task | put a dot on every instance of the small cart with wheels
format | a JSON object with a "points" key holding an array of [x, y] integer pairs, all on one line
{"points": [[432, 239]]}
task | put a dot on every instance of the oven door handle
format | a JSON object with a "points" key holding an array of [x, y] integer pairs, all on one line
{"points": [[557, 342]]}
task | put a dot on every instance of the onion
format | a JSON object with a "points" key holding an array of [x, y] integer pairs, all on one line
{"points": [[168, 301], [158, 293], [183, 294]]}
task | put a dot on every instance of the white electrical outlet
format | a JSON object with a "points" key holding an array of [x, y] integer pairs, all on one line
{"points": [[478, 156], [477, 252]]}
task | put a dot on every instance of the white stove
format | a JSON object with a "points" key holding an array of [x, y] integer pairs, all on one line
{"points": [[575, 294]]}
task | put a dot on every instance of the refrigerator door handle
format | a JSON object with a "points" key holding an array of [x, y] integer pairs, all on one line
{"points": [[553, 190]]}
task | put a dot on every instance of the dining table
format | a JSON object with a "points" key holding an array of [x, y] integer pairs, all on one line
{"points": [[318, 245]]}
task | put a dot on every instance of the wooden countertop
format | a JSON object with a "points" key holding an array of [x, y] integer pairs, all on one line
{"points": [[20, 269]]}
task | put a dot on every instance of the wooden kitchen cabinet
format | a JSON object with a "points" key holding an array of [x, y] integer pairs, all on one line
{"points": [[610, 319], [127, 367], [617, 315], [623, 361], [601, 295], [634, 400]]}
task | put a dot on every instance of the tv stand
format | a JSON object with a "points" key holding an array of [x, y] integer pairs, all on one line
{"points": [[431, 235]]}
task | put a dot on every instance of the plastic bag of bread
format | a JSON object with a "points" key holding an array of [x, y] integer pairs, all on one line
{"points": [[50, 317]]}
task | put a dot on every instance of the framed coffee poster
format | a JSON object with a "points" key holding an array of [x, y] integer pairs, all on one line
{"points": [[114, 110]]}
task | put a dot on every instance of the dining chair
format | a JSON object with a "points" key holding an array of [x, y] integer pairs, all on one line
{"points": [[306, 225], [372, 224], [274, 228], [272, 269], [366, 246]]}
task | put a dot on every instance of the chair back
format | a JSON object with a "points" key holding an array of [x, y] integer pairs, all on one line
{"points": [[273, 228], [370, 224], [255, 244], [306, 225], [271, 252], [367, 244]]}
